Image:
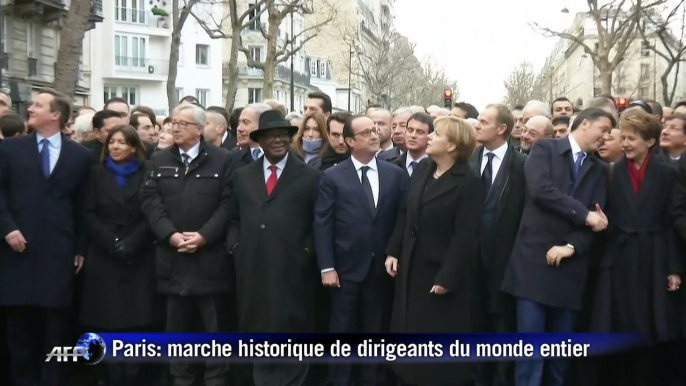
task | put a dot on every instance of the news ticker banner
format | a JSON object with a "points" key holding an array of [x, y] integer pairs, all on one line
{"points": [[366, 348]]}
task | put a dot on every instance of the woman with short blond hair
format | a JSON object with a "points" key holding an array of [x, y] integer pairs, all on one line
{"points": [[436, 243]]}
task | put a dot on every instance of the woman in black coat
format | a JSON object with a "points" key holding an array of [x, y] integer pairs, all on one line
{"points": [[641, 263], [119, 278], [436, 245]]}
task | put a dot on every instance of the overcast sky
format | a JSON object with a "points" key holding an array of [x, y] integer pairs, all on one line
{"points": [[479, 42]]}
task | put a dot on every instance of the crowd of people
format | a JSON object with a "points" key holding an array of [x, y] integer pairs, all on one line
{"points": [[526, 219]]}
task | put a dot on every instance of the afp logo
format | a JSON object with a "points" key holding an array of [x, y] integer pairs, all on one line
{"points": [[89, 349]]}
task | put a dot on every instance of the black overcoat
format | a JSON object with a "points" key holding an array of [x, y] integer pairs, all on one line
{"points": [[271, 241], [641, 250], [436, 243], [49, 213], [118, 296]]}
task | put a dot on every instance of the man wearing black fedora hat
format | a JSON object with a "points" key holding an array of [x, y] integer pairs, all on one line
{"points": [[270, 231]]}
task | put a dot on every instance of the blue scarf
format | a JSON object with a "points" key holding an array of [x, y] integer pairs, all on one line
{"points": [[122, 172]]}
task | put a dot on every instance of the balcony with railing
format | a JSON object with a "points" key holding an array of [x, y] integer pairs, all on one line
{"points": [[96, 15], [141, 17], [282, 74], [141, 68], [44, 11]]}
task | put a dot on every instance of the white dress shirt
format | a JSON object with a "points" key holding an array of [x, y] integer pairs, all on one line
{"points": [[499, 156], [410, 160], [226, 135], [279, 168], [192, 152], [576, 150], [54, 147], [372, 176]]}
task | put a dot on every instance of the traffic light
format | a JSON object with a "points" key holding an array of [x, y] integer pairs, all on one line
{"points": [[621, 104], [448, 98]]}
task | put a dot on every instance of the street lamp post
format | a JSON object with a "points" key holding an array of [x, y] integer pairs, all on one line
{"points": [[292, 67]]}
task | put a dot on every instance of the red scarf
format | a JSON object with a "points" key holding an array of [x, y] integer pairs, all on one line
{"points": [[637, 175]]}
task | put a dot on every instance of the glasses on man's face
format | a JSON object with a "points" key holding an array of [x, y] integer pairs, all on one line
{"points": [[282, 137], [368, 132], [181, 124]]}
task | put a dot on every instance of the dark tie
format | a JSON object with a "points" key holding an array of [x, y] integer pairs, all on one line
{"points": [[487, 175], [413, 167], [579, 161], [45, 157], [368, 188], [186, 160]]}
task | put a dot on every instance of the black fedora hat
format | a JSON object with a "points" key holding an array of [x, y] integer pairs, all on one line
{"points": [[270, 120]]}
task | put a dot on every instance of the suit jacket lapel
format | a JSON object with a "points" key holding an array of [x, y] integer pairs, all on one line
{"points": [[502, 180], [354, 180], [475, 160], [621, 170], [291, 172], [32, 148], [648, 182], [384, 187], [585, 167], [256, 181], [62, 158]]}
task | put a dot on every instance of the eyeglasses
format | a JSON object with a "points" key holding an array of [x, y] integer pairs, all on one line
{"points": [[368, 132], [182, 124]]}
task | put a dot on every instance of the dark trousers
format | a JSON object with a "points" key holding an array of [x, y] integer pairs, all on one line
{"points": [[32, 332], [183, 313], [4, 351], [500, 373], [534, 317], [358, 307]]}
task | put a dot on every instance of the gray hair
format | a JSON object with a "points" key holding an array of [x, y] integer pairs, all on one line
{"points": [[294, 115], [259, 108], [540, 107], [198, 113], [83, 125], [402, 111]]}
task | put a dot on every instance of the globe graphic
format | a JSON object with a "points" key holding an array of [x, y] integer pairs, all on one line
{"points": [[95, 348]]}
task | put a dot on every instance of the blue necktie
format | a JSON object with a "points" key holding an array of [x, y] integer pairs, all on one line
{"points": [[256, 154], [45, 157], [413, 167], [579, 161]]}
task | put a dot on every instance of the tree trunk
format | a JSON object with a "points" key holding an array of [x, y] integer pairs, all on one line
{"points": [[667, 94], [606, 76], [231, 83], [275, 20], [71, 47], [179, 17]]}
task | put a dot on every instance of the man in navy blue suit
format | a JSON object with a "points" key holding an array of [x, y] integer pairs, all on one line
{"points": [[42, 183], [355, 215], [566, 188]]}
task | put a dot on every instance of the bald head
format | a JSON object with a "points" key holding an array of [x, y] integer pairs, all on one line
{"points": [[432, 108], [439, 113], [536, 128], [534, 108], [417, 109]]}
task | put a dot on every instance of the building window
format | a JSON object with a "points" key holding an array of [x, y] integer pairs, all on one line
{"points": [[254, 95], [136, 13], [179, 93], [255, 22], [645, 70], [322, 69], [597, 91], [202, 95], [130, 51], [256, 53], [129, 93], [31, 49], [642, 92], [202, 55], [313, 67]]}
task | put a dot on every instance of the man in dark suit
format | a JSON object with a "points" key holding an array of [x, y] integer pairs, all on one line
{"points": [[103, 122], [398, 126], [248, 150], [186, 199], [501, 169], [672, 140], [42, 180], [417, 131], [566, 189], [228, 138], [270, 235], [354, 217]]}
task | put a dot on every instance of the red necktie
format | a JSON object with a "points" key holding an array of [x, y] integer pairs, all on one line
{"points": [[271, 181]]}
